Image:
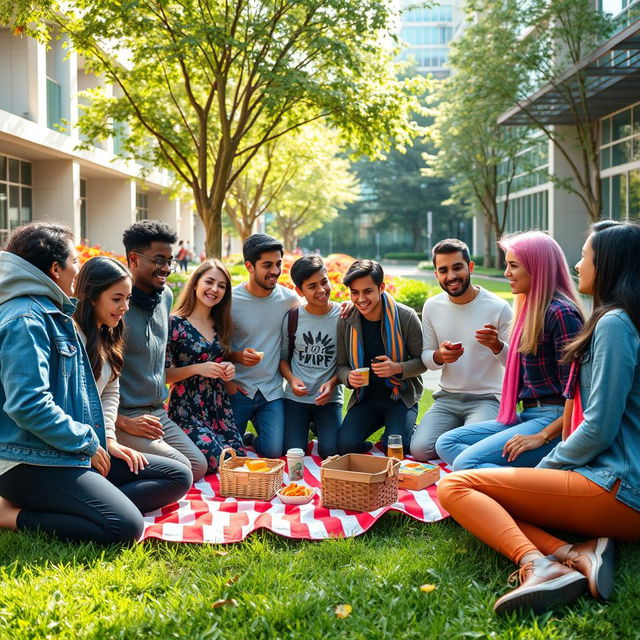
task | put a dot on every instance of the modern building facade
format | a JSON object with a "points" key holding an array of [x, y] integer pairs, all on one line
{"points": [[613, 97], [43, 175]]}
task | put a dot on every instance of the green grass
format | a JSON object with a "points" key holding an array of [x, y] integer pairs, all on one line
{"points": [[288, 589], [499, 287]]}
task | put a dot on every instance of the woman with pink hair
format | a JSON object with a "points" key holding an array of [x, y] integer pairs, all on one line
{"points": [[547, 316]]}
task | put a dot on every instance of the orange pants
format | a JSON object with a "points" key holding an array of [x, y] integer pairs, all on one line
{"points": [[505, 507]]}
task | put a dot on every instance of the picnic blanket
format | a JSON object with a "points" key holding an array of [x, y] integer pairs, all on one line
{"points": [[205, 517]]}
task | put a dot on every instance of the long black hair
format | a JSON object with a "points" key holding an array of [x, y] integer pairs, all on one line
{"points": [[103, 343], [616, 285]]}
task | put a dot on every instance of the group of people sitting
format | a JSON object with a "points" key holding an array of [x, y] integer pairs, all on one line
{"points": [[89, 442]]}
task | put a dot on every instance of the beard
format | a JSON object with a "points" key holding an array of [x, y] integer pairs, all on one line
{"points": [[465, 284]]}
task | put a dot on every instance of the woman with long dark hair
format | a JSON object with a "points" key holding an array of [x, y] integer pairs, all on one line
{"points": [[103, 289], [589, 483], [547, 316], [197, 362], [56, 475]]}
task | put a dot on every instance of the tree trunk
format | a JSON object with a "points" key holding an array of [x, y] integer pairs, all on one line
{"points": [[212, 220], [417, 236]]}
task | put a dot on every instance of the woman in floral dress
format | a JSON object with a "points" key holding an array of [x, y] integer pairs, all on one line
{"points": [[199, 336]]}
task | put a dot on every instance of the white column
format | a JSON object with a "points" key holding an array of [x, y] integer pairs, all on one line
{"points": [[111, 207], [185, 227], [56, 192], [37, 81], [568, 216]]}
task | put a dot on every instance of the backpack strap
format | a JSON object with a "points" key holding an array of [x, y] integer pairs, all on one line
{"points": [[292, 327]]}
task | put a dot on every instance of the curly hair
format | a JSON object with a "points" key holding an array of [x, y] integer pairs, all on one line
{"points": [[140, 235], [41, 244]]}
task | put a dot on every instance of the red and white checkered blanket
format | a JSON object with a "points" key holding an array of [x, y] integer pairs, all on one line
{"points": [[204, 516]]}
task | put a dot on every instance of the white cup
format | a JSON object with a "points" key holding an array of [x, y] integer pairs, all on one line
{"points": [[295, 464]]}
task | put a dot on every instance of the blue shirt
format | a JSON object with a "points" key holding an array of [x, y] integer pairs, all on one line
{"points": [[606, 445]]}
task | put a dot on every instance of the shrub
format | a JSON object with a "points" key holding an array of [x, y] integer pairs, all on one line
{"points": [[479, 260], [413, 293], [405, 256]]}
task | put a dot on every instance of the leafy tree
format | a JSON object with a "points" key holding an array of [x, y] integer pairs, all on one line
{"points": [[470, 144], [320, 185], [203, 85]]}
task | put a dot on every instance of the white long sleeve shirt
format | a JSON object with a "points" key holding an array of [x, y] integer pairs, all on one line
{"points": [[478, 370]]}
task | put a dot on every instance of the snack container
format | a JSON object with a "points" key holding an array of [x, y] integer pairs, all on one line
{"points": [[297, 499], [257, 485], [417, 475], [359, 482]]}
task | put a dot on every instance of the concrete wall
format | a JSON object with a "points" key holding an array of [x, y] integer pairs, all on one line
{"points": [[111, 208]]}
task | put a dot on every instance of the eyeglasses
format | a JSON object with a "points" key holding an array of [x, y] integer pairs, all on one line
{"points": [[159, 262]]}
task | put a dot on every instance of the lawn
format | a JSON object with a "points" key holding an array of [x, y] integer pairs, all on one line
{"points": [[278, 588], [500, 287]]}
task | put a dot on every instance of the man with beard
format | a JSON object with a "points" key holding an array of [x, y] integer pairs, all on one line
{"points": [[142, 422], [465, 329], [258, 308]]}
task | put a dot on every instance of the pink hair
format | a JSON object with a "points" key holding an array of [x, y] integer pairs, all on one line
{"points": [[547, 266]]}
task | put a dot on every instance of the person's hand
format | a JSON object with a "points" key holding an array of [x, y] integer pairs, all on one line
{"points": [[356, 379], [100, 461], [324, 393], [229, 371], [385, 367], [298, 387], [250, 357], [488, 337], [134, 459], [234, 387], [519, 444], [346, 308], [210, 369], [444, 354], [145, 426]]}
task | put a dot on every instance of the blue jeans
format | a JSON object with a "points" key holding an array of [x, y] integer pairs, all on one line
{"points": [[267, 417], [326, 419], [368, 416], [450, 411], [480, 445]]}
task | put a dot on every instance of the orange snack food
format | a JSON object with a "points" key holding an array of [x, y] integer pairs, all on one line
{"points": [[257, 465], [294, 489]]}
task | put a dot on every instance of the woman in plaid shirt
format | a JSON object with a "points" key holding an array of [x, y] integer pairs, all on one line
{"points": [[547, 316]]}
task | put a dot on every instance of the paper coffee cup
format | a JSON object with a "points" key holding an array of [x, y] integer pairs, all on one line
{"points": [[364, 372], [295, 464]]}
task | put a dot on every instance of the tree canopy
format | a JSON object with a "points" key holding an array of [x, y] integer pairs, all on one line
{"points": [[200, 86]]}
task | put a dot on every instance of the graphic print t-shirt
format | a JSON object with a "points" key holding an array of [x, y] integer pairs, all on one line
{"points": [[314, 352]]}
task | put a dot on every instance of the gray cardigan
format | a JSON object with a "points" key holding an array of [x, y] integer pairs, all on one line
{"points": [[412, 367], [142, 380]]}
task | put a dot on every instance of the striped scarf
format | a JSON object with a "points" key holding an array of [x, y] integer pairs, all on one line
{"points": [[394, 345]]}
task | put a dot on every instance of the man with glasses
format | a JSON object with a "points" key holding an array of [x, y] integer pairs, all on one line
{"points": [[142, 422]]}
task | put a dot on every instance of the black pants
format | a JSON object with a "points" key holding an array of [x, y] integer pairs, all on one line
{"points": [[369, 415], [79, 504]]}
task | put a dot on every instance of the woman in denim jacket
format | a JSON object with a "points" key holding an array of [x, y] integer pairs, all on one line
{"points": [[55, 472], [589, 483]]}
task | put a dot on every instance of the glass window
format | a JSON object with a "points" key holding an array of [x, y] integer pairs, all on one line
{"points": [[3, 206], [621, 125], [14, 170], [25, 173], [605, 158], [14, 207], [605, 130], [636, 119], [3, 167], [25, 205], [142, 206], [619, 196], [622, 152], [605, 186], [634, 194]]}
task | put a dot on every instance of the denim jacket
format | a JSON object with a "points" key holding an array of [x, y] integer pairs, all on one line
{"points": [[606, 446], [50, 411]]}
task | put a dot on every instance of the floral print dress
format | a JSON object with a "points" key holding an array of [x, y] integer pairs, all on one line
{"points": [[199, 405]]}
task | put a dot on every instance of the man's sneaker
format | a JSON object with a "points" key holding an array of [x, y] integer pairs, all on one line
{"points": [[544, 583], [594, 559], [249, 439]]}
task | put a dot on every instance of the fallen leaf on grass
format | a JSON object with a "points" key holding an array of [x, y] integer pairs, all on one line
{"points": [[232, 580], [220, 552], [231, 602], [343, 610], [428, 588]]}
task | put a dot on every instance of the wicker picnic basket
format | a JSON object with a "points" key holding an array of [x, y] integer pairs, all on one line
{"points": [[258, 485], [359, 482]]}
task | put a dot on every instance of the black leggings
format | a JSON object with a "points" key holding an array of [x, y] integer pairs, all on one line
{"points": [[79, 504]]}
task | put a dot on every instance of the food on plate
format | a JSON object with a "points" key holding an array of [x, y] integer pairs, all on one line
{"points": [[294, 489]]}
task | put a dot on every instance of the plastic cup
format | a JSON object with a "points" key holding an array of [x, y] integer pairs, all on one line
{"points": [[394, 447], [295, 464], [364, 372]]}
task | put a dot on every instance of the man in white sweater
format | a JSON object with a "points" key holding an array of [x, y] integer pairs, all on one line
{"points": [[465, 332]]}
